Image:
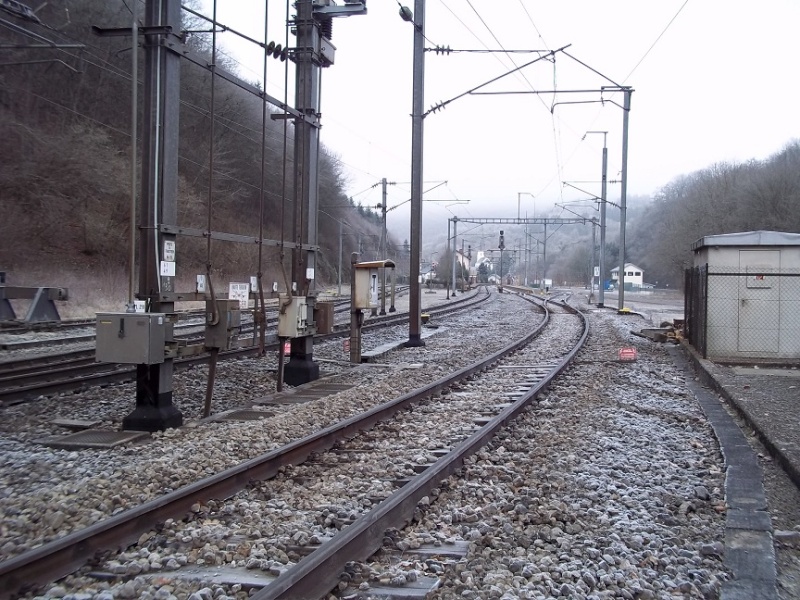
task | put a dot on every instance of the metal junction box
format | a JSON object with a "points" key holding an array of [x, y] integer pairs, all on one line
{"points": [[131, 338], [225, 333], [296, 320], [323, 317]]}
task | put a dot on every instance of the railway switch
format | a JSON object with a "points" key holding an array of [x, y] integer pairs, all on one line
{"points": [[131, 338]]}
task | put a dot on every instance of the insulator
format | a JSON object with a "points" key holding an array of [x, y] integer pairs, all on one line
{"points": [[276, 51], [270, 47], [326, 28], [406, 14]]}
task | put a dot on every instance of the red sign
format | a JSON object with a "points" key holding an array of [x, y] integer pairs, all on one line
{"points": [[287, 348], [627, 354], [346, 346]]}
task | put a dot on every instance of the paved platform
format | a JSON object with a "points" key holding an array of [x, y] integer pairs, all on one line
{"points": [[767, 399]]}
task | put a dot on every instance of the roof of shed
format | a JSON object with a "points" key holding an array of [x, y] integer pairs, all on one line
{"points": [[749, 238], [628, 266]]}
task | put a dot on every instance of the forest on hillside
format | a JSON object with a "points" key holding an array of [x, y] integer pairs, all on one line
{"points": [[65, 169], [722, 198], [759, 195], [65, 154]]}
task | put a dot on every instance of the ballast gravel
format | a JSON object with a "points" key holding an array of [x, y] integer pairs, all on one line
{"points": [[610, 487]]}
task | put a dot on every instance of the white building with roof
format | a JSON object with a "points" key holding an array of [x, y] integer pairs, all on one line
{"points": [[634, 276], [743, 296]]}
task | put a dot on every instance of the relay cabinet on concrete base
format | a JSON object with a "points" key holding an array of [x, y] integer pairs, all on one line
{"points": [[131, 338]]}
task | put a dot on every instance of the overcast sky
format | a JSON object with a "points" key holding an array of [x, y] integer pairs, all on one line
{"points": [[714, 81]]}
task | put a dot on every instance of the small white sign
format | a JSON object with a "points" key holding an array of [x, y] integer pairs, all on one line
{"points": [[169, 250], [240, 292], [167, 269], [200, 284], [310, 273], [253, 282], [597, 271]]}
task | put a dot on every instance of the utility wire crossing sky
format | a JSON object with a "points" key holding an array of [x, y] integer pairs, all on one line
{"points": [[507, 112]]}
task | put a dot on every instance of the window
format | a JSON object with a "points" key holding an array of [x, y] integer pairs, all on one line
{"points": [[638, 273]]}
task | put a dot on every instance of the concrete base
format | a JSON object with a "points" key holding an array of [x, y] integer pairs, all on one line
{"points": [[299, 371], [414, 341], [153, 418]]}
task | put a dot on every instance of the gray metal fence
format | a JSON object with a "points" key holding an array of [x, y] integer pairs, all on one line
{"points": [[743, 314]]}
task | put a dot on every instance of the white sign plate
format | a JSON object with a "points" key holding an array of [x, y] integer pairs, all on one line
{"points": [[167, 268], [240, 292], [169, 250]]}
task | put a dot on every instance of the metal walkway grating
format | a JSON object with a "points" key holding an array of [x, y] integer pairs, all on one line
{"points": [[245, 415], [306, 393], [93, 438]]}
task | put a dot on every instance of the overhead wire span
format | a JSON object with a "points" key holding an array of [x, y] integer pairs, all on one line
{"points": [[477, 37], [449, 50], [653, 45], [494, 37], [441, 105], [538, 33], [536, 29]]}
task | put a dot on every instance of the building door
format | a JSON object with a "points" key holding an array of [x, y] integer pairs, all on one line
{"points": [[759, 301]]}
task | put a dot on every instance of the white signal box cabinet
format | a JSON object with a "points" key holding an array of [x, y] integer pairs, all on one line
{"points": [[130, 338], [294, 320], [366, 282], [366, 288]]}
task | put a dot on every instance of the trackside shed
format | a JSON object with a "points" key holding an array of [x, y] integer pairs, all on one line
{"points": [[743, 297]]}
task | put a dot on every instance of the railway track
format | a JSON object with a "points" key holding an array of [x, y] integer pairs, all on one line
{"points": [[30, 378], [318, 573], [21, 329]]}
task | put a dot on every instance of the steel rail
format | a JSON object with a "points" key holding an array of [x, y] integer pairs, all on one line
{"points": [[92, 373], [23, 366], [316, 574], [58, 558]]}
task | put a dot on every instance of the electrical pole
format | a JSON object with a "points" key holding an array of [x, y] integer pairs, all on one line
{"points": [[418, 107], [301, 367], [448, 249], [339, 270], [383, 246], [593, 259], [502, 246], [154, 409], [626, 109], [455, 251], [313, 28], [603, 198]]}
